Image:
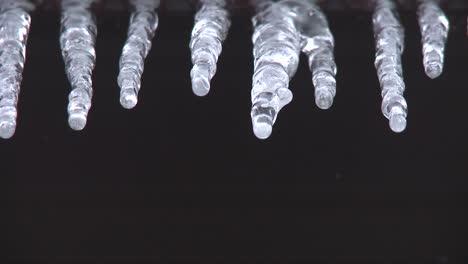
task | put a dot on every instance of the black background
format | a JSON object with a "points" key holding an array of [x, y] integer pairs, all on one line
{"points": [[183, 178]]}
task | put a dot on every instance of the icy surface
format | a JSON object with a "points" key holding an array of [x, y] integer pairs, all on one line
{"points": [[14, 29], [318, 44], [389, 40], [211, 27], [434, 27], [141, 31], [276, 53], [77, 40]]}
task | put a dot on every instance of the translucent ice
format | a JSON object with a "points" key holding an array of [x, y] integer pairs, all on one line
{"points": [[77, 40], [141, 31], [434, 27], [389, 41], [210, 30], [276, 53], [318, 44], [14, 29]]}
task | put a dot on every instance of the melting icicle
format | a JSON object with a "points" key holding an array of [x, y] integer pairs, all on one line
{"points": [[434, 27], [14, 29], [389, 39], [209, 32], [318, 45], [77, 40], [276, 52], [141, 31]]}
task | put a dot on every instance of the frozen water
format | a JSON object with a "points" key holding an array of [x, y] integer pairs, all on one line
{"points": [[389, 41], [77, 40], [15, 22], [277, 45], [434, 27], [141, 31], [209, 32]]}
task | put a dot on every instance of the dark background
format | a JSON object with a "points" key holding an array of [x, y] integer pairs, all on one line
{"points": [[183, 178]]}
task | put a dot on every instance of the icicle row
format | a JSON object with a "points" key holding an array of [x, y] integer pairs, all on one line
{"points": [[77, 41], [389, 39], [141, 31], [434, 27], [276, 52], [15, 22], [209, 32]]}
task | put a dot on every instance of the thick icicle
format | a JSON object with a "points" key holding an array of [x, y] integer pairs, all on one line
{"points": [[77, 40], [434, 27], [211, 27], [318, 45], [389, 41], [14, 29], [276, 52], [141, 31]]}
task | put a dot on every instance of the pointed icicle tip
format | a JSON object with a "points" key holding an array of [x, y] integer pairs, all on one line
{"points": [[7, 128]]}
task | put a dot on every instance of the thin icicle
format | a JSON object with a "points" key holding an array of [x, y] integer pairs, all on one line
{"points": [[389, 39], [276, 52], [434, 27], [141, 31], [318, 45], [77, 40], [15, 22], [209, 32]]}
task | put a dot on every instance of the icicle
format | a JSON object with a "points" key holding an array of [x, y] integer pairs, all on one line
{"points": [[276, 52], [141, 31], [77, 40], [318, 45], [434, 27], [389, 39], [14, 29], [209, 32]]}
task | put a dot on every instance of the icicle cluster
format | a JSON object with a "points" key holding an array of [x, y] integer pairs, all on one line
{"points": [[282, 30], [434, 27], [141, 31], [389, 41], [14, 29], [318, 45], [276, 53], [77, 41], [209, 32]]}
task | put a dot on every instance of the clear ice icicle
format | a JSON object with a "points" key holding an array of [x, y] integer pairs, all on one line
{"points": [[389, 41], [276, 53], [14, 29], [434, 27], [211, 27], [77, 41], [318, 44], [141, 31]]}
